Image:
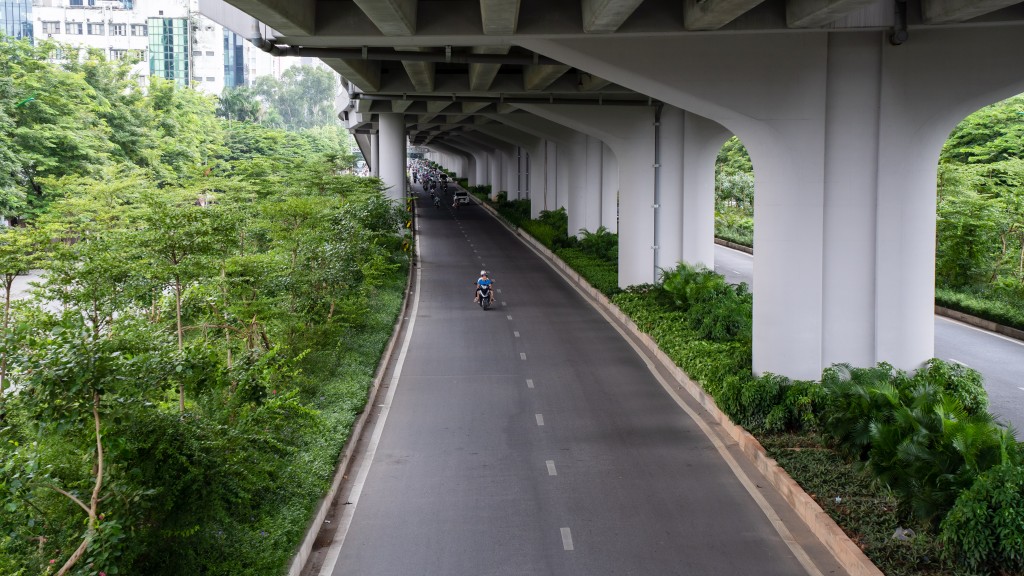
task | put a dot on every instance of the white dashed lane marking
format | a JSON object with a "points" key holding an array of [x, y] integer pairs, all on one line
{"points": [[515, 333], [529, 383], [551, 468], [509, 316], [540, 419], [522, 355], [566, 539]]}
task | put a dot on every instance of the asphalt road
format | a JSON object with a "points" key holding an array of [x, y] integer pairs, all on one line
{"points": [[531, 439], [999, 359]]}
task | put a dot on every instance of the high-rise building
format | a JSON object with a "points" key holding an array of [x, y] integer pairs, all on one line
{"points": [[170, 48], [16, 18], [234, 60], [168, 38]]}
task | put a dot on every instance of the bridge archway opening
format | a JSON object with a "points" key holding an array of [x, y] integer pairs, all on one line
{"points": [[980, 207], [734, 194]]}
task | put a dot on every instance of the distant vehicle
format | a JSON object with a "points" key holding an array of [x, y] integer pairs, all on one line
{"points": [[461, 197]]}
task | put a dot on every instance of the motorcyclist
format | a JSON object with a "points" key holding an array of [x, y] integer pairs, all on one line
{"points": [[483, 280]]}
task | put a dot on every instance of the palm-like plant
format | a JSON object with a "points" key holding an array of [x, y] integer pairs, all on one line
{"points": [[917, 439]]}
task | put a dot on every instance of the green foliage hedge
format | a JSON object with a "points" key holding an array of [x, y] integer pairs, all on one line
{"points": [[994, 308], [599, 272]]}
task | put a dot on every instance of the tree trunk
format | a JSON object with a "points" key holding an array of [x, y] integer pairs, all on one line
{"points": [[181, 341], [3, 351], [97, 487]]}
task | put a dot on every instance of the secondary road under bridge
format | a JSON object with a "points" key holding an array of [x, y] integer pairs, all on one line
{"points": [[532, 439]]}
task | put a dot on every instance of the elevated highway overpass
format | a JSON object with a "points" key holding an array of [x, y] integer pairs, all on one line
{"points": [[615, 109]]}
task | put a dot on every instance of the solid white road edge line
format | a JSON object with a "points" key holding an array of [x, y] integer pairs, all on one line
{"points": [[367, 460]]}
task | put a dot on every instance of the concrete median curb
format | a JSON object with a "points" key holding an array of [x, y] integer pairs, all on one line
{"points": [[845, 551]]}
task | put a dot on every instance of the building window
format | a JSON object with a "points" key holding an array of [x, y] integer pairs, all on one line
{"points": [[211, 79], [170, 49], [51, 27], [197, 52], [118, 30], [118, 53], [73, 28], [138, 29], [209, 52], [16, 18], [96, 28]]}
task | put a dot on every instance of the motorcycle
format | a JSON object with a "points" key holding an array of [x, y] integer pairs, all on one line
{"points": [[485, 297]]}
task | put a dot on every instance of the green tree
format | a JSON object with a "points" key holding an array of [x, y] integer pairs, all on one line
{"points": [[303, 98], [58, 128], [968, 236], [18, 255], [991, 134], [239, 104], [179, 241], [187, 132]]}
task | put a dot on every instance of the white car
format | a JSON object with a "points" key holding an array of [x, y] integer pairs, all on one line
{"points": [[462, 197]]}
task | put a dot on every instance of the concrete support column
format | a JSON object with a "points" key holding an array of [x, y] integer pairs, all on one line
{"points": [[374, 158], [630, 134], [512, 174], [481, 176], [609, 190], [671, 171], [393, 154], [551, 167], [565, 154], [702, 140], [541, 165], [496, 173], [587, 203], [575, 161]]}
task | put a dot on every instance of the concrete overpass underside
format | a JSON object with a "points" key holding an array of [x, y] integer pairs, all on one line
{"points": [[616, 109]]}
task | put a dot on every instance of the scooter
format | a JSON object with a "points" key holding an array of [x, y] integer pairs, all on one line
{"points": [[485, 297]]}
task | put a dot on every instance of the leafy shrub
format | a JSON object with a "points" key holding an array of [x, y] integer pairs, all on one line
{"points": [[734, 226], [601, 243], [917, 439], [750, 401], [600, 273], [963, 383], [984, 532], [715, 309], [482, 190], [800, 409]]}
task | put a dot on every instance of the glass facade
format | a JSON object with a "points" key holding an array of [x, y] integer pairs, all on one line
{"points": [[16, 18], [169, 49], [234, 60]]}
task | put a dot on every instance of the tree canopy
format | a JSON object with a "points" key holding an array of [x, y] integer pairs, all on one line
{"points": [[174, 396]]}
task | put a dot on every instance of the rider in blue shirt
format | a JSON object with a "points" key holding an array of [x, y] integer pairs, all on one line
{"points": [[483, 280]]}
